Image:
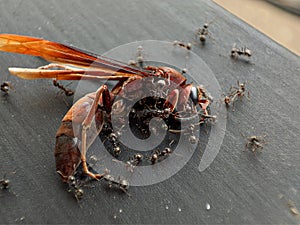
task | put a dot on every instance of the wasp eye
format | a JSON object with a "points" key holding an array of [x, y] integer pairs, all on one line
{"points": [[194, 95]]}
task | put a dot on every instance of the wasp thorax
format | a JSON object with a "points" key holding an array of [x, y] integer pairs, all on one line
{"points": [[161, 83]]}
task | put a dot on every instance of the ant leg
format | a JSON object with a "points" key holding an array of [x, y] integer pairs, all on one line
{"points": [[233, 101], [101, 94], [67, 91]]}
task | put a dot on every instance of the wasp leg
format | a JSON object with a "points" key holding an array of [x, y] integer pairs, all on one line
{"points": [[172, 100], [102, 95]]}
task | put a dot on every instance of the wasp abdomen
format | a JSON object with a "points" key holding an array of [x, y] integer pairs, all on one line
{"points": [[67, 153]]}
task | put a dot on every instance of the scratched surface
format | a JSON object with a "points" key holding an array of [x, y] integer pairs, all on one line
{"points": [[240, 188]]}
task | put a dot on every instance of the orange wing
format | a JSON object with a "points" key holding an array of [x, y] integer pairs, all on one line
{"points": [[102, 67]]}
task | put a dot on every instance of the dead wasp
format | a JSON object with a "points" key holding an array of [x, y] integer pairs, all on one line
{"points": [[187, 46], [75, 135], [202, 33], [255, 142], [235, 52], [5, 86], [235, 92]]}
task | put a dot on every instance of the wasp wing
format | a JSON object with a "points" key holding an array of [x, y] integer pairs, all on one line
{"points": [[60, 53]]}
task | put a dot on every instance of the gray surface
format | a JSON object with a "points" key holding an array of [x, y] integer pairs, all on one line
{"points": [[240, 188]]}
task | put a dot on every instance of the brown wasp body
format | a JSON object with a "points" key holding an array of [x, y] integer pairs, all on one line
{"points": [[84, 121]]}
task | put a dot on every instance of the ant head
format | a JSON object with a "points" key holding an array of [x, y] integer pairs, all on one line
{"points": [[248, 52], [227, 100], [205, 25], [202, 38], [242, 86], [140, 48], [138, 156], [189, 46], [124, 184], [168, 150]]}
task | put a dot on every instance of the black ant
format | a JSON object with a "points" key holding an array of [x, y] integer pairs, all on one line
{"points": [[120, 183], [116, 148], [68, 92], [5, 182], [235, 93], [202, 33], [235, 52], [187, 46], [75, 186], [160, 154], [134, 161], [5, 86], [139, 58], [255, 142]]}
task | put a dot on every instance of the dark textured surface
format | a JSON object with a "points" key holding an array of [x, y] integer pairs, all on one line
{"points": [[241, 188]]}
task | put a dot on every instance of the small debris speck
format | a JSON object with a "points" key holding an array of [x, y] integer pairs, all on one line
{"points": [[20, 219], [167, 207], [207, 206], [120, 210], [179, 209]]}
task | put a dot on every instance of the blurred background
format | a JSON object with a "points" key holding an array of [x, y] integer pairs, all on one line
{"points": [[278, 19]]}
